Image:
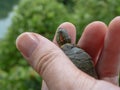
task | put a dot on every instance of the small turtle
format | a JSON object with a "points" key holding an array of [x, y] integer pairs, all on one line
{"points": [[77, 55]]}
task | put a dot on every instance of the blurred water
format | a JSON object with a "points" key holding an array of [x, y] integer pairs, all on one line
{"points": [[4, 24]]}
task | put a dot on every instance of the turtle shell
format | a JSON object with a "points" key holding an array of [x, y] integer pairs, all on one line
{"points": [[77, 55], [80, 58]]}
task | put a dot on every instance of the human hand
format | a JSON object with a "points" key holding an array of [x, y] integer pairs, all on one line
{"points": [[60, 73]]}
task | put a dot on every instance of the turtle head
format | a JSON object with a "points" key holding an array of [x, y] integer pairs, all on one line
{"points": [[62, 36]]}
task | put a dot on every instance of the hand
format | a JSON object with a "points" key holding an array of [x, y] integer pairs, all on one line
{"points": [[59, 73]]}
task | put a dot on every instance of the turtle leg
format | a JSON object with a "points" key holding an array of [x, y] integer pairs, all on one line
{"points": [[62, 37]]}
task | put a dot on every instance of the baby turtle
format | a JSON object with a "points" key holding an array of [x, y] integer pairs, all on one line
{"points": [[77, 55]]}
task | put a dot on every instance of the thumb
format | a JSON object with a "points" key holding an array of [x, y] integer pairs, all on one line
{"points": [[48, 60], [51, 63]]}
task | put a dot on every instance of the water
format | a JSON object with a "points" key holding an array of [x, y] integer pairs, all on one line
{"points": [[4, 24]]}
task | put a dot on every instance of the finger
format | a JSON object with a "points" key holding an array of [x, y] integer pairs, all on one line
{"points": [[52, 64], [109, 63], [70, 28], [92, 39]]}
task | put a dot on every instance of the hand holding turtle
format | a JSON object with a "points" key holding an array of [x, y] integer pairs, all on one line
{"points": [[60, 73]]}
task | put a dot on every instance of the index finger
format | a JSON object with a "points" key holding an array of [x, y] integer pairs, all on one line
{"points": [[71, 30]]}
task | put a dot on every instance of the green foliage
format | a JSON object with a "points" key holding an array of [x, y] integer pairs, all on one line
{"points": [[19, 78], [43, 17], [69, 4], [6, 7], [94, 10]]}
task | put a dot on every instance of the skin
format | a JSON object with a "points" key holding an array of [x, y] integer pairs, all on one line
{"points": [[59, 73]]}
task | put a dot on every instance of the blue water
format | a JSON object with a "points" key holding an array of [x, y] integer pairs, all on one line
{"points": [[4, 24]]}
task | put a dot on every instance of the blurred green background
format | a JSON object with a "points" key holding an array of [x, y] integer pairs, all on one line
{"points": [[43, 17]]}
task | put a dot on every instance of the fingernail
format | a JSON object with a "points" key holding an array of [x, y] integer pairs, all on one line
{"points": [[27, 43]]}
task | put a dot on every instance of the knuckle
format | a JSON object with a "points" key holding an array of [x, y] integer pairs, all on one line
{"points": [[46, 60]]}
